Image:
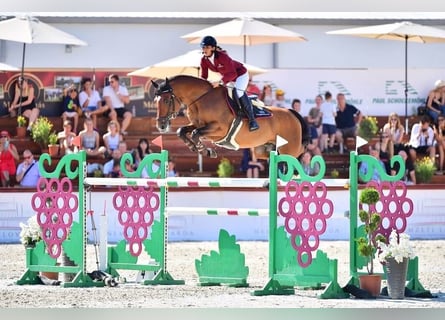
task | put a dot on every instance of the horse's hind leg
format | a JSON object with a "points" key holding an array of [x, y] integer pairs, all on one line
{"points": [[195, 137], [182, 134]]}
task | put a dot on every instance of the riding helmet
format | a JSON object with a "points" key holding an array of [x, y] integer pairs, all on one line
{"points": [[208, 41]]}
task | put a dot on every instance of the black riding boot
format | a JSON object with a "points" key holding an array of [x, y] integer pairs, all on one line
{"points": [[248, 110]]}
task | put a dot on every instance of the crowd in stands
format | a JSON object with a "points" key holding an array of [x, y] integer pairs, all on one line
{"points": [[333, 120], [103, 149]]}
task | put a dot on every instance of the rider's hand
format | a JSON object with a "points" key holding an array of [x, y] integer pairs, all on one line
{"points": [[216, 84]]}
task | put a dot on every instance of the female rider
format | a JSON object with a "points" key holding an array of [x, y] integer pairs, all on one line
{"points": [[217, 60]]}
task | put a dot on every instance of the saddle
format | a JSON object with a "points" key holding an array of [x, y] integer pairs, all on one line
{"points": [[258, 106]]}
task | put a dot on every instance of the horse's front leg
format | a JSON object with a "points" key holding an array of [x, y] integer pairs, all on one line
{"points": [[196, 138], [183, 135]]}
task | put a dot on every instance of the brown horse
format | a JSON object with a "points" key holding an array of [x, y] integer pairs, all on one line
{"points": [[210, 117]]}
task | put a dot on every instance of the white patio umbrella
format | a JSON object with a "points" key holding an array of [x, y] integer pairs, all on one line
{"points": [[403, 31], [27, 29], [7, 67], [245, 32], [187, 64]]}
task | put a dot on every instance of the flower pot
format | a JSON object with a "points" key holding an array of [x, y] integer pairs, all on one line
{"points": [[371, 283], [396, 277], [53, 150], [21, 132]]}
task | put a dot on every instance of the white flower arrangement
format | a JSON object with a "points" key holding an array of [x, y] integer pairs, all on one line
{"points": [[31, 233], [399, 247]]}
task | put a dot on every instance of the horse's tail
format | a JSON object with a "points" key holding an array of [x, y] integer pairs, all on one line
{"points": [[305, 131]]}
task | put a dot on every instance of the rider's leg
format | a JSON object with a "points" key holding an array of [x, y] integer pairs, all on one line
{"points": [[248, 110]]}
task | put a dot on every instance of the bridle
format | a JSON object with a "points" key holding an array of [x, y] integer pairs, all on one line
{"points": [[171, 112]]}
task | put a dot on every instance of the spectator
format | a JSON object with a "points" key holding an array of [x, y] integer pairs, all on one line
{"points": [[250, 164], [91, 102], [422, 139], [8, 157], [435, 102], [141, 151], [116, 96], [28, 173], [314, 116], [70, 106], [393, 132], [440, 138], [296, 105], [65, 138], [112, 137], [280, 100], [171, 169], [24, 97], [109, 166], [252, 89], [409, 176], [306, 164], [89, 140], [266, 95], [364, 168], [328, 112], [346, 120]]}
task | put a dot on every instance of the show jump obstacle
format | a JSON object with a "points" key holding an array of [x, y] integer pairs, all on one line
{"points": [[142, 210]]}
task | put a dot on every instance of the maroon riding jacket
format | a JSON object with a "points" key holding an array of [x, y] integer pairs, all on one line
{"points": [[229, 69]]}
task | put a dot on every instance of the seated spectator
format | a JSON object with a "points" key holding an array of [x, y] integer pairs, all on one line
{"points": [[116, 155], [305, 161], [28, 173], [141, 151], [112, 137], [116, 96], [439, 133], [346, 119], [70, 106], [409, 176], [422, 139], [266, 95], [8, 157], [392, 138], [116, 171], [280, 100], [364, 168], [89, 140], [65, 138], [314, 116], [171, 169], [435, 102], [252, 89], [91, 102], [25, 99], [250, 164]]}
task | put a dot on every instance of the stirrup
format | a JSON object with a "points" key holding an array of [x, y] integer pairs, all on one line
{"points": [[253, 125]]}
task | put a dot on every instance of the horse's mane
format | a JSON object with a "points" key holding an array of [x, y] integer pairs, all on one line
{"points": [[187, 78]]}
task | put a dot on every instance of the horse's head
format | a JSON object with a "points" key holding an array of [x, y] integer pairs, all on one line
{"points": [[165, 101]]}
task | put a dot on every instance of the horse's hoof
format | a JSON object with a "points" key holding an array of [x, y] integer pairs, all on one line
{"points": [[211, 153]]}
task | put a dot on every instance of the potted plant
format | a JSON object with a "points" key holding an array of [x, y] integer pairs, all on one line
{"points": [[424, 169], [53, 146], [368, 128], [368, 245], [40, 131], [395, 256], [225, 168], [21, 129]]}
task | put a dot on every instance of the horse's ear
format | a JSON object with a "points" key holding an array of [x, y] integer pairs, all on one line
{"points": [[155, 84], [166, 80]]}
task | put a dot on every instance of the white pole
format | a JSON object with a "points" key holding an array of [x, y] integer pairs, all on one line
{"points": [[103, 242]]}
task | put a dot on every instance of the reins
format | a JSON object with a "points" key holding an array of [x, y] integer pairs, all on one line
{"points": [[172, 114]]}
